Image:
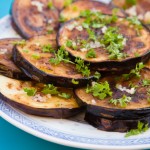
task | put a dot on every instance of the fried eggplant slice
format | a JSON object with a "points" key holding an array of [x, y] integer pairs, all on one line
{"points": [[7, 67], [34, 60], [34, 17], [106, 44], [139, 8], [41, 104], [127, 102], [74, 10]]}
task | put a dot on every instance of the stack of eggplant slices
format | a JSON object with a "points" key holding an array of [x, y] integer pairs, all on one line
{"points": [[77, 56]]}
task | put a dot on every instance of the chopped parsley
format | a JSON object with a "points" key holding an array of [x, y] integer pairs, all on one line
{"points": [[81, 67], [134, 72], [71, 44], [136, 23], [65, 95], [48, 48], [50, 5], [131, 2], [74, 81], [146, 82], [61, 56], [121, 101], [30, 91], [51, 89], [91, 54], [67, 2], [100, 90], [21, 43], [62, 19], [113, 42], [97, 75], [36, 56], [141, 128], [25, 50]]}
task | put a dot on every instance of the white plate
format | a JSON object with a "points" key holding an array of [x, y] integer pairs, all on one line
{"points": [[67, 132]]}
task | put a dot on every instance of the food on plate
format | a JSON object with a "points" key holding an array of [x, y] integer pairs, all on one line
{"points": [[118, 103], [139, 8], [41, 61], [74, 9], [39, 99], [106, 41], [7, 67], [33, 17]]}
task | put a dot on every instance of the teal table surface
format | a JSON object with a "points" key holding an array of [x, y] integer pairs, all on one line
{"points": [[12, 138]]}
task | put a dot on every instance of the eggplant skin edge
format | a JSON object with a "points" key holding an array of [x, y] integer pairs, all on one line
{"points": [[112, 113], [41, 76], [114, 125], [54, 112]]}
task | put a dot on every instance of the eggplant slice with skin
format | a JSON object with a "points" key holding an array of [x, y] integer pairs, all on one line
{"points": [[7, 67], [33, 17], [35, 63], [47, 105], [107, 116], [139, 8], [74, 10], [135, 47]]}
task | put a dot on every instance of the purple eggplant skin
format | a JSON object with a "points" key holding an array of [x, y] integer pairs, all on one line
{"points": [[40, 76], [114, 125], [54, 112]]}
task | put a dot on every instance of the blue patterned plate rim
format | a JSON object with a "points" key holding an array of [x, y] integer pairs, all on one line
{"points": [[19, 120]]}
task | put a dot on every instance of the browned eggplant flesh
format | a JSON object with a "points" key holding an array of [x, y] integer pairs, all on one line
{"points": [[105, 42], [139, 8], [121, 99], [34, 98], [33, 17], [7, 67], [34, 59], [74, 9]]}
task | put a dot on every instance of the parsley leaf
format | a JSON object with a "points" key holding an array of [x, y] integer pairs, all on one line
{"points": [[113, 42], [65, 95], [81, 67], [141, 127], [50, 89], [91, 54], [146, 82], [61, 56], [97, 75], [67, 2], [74, 81], [134, 72], [100, 90], [121, 101], [30, 91], [48, 48], [50, 5], [21, 43], [36, 56]]}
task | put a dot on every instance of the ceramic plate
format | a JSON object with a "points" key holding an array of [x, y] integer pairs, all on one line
{"points": [[73, 132]]}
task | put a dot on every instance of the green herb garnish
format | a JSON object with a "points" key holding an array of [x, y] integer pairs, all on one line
{"points": [[65, 95], [91, 54], [74, 81], [81, 67], [25, 50], [121, 101], [48, 48], [113, 42], [134, 72], [50, 89], [67, 2], [97, 75], [146, 82], [30, 91], [61, 56], [50, 5], [21, 43], [36, 56], [100, 90], [141, 128]]}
